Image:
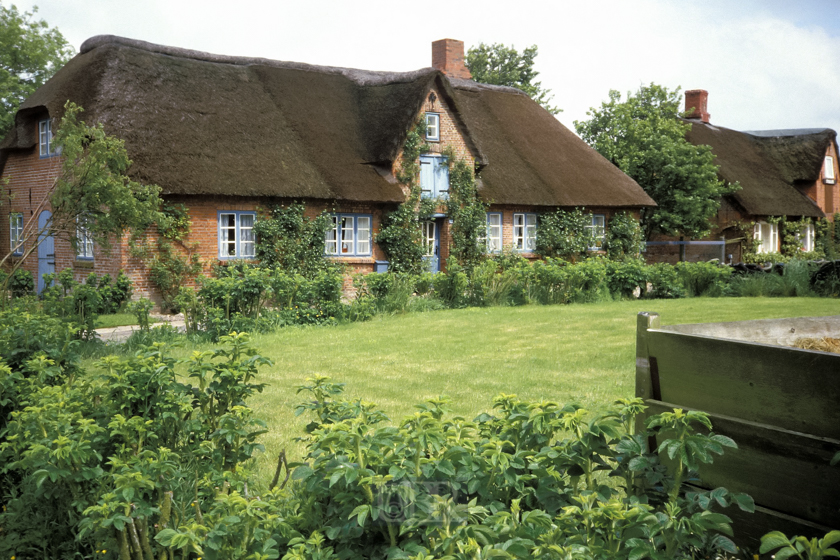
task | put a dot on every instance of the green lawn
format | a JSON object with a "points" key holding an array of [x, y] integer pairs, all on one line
{"points": [[118, 320], [583, 353]]}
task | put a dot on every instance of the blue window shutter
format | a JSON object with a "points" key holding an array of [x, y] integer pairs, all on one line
{"points": [[441, 178], [427, 176]]}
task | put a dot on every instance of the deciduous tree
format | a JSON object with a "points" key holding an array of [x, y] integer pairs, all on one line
{"points": [[92, 192], [30, 53], [505, 66], [645, 137]]}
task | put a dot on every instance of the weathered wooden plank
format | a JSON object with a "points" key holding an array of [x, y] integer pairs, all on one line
{"points": [[782, 470], [795, 389]]}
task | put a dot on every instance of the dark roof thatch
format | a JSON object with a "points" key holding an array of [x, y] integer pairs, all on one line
{"points": [[198, 123], [769, 165]]}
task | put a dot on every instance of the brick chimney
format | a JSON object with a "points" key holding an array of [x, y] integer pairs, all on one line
{"points": [[448, 57], [695, 104]]}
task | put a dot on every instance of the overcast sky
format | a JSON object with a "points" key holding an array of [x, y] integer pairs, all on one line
{"points": [[767, 64]]}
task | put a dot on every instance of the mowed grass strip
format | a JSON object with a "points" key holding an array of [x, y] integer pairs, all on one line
{"points": [[573, 353]]}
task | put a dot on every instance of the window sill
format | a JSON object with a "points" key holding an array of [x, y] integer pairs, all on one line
{"points": [[351, 260], [83, 263]]}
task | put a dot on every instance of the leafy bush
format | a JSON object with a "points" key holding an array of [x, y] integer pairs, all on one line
{"points": [[287, 239], [624, 237], [531, 480], [703, 278], [133, 458], [21, 283], [664, 282], [554, 281], [627, 278], [565, 234]]}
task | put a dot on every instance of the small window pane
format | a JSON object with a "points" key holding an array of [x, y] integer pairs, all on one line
{"points": [[346, 235], [432, 126], [331, 242], [829, 168], [363, 236]]}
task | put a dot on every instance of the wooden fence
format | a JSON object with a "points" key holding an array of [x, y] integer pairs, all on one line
{"points": [[780, 404]]}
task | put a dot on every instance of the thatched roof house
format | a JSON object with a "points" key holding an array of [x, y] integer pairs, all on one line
{"points": [[224, 135], [782, 173]]}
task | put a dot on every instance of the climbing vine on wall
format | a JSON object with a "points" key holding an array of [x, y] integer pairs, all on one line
{"points": [[286, 238], [564, 234], [175, 261], [468, 215], [400, 234]]}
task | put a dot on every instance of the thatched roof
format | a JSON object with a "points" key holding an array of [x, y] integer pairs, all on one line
{"points": [[769, 165], [198, 123]]}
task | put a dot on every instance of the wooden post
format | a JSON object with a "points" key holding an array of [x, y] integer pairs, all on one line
{"points": [[682, 249], [723, 250], [644, 386]]}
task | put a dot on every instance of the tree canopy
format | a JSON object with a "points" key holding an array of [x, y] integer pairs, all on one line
{"points": [[30, 53], [505, 66], [645, 137]]}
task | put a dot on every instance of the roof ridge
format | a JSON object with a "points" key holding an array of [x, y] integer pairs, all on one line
{"points": [[361, 77]]}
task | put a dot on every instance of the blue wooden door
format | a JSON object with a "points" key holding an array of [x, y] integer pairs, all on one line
{"points": [[431, 245], [46, 250]]}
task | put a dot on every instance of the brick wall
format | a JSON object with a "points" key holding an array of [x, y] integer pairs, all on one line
{"points": [[30, 179]]}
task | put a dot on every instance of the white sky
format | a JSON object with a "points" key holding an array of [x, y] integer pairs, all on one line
{"points": [[766, 63]]}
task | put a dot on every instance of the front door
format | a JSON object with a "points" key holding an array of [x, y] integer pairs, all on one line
{"points": [[46, 249], [431, 246]]}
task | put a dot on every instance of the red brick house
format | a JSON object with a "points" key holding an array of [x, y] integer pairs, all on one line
{"points": [[790, 173], [227, 135]]}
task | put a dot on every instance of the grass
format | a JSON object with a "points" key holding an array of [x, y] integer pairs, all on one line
{"points": [[583, 353], [118, 320]]}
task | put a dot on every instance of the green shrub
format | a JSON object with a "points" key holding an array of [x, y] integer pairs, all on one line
{"points": [[451, 287], [530, 480], [703, 278], [627, 278], [565, 234], [665, 282], [123, 457], [21, 283], [624, 238]]}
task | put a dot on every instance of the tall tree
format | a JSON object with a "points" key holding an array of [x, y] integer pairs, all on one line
{"points": [[645, 137], [30, 53], [505, 66]]}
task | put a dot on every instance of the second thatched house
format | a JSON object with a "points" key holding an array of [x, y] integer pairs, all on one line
{"points": [[790, 174]]}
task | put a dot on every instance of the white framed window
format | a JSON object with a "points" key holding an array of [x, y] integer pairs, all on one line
{"points": [[45, 139], [429, 237], [767, 236], [84, 243], [598, 229], [349, 235], [828, 171], [494, 232], [16, 233], [525, 232], [236, 235], [806, 237], [434, 176], [433, 127]]}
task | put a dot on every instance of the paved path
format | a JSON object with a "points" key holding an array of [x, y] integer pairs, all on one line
{"points": [[121, 334]]}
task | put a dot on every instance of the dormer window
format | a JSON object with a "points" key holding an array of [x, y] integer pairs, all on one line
{"points": [[45, 139], [828, 172], [433, 127]]}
